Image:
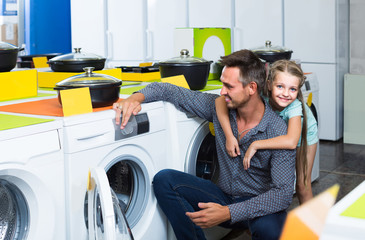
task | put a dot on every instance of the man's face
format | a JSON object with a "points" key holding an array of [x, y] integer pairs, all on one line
{"points": [[236, 95]]}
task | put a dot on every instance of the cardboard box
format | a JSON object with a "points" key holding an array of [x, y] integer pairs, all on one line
{"points": [[9, 33]]}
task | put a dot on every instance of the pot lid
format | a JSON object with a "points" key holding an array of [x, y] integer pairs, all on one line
{"points": [[7, 46], [89, 79], [185, 58], [269, 49], [76, 56]]}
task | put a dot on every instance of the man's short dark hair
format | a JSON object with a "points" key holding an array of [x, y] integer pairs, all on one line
{"points": [[251, 67]]}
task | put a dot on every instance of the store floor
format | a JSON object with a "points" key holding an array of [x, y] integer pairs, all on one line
{"points": [[339, 163]]}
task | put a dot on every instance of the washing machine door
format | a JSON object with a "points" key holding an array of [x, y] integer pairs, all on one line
{"points": [[14, 212], [106, 219]]}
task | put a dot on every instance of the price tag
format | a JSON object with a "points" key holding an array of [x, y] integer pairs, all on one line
{"points": [[40, 62], [178, 80], [76, 101]]}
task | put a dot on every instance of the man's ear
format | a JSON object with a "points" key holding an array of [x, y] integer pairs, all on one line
{"points": [[253, 87]]}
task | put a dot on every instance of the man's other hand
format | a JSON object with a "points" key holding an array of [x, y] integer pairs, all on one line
{"points": [[211, 214]]}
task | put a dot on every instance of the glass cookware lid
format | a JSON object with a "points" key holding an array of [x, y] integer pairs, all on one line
{"points": [[184, 58], [7, 46], [77, 56], [89, 79], [268, 48]]}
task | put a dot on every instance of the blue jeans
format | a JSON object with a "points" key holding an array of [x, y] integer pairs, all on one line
{"points": [[178, 192]]}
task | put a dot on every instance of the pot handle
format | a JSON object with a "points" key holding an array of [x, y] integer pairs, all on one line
{"points": [[21, 49]]}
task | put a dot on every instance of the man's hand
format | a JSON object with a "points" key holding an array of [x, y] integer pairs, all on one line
{"points": [[232, 146], [211, 215], [127, 107]]}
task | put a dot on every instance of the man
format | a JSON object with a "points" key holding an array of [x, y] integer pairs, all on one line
{"points": [[255, 198]]}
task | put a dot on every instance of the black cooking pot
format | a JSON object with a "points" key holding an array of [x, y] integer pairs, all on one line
{"points": [[270, 53], [104, 89], [195, 70], [76, 62], [8, 56]]}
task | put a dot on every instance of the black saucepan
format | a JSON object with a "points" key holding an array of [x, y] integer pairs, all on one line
{"points": [[270, 53], [76, 62], [8, 56], [104, 89], [195, 70]]}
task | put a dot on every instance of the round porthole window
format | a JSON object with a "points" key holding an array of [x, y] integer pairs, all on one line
{"points": [[127, 178], [201, 157], [14, 212]]}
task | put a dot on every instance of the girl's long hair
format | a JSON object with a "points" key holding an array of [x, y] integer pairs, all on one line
{"points": [[293, 69]]}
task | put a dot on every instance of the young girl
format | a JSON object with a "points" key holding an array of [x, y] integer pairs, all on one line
{"points": [[284, 95]]}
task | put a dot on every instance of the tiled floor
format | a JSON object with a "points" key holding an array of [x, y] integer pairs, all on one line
{"points": [[339, 163]]}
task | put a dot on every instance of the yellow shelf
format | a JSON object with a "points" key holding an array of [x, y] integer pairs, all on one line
{"points": [[141, 77]]}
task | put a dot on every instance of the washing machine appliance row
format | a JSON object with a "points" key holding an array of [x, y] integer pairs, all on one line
{"points": [[122, 164], [310, 90], [187, 133], [32, 192]]}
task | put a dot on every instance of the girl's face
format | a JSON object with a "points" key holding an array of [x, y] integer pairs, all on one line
{"points": [[284, 90]]}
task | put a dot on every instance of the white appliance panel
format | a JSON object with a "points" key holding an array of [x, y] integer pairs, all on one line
{"points": [[163, 17], [256, 22], [310, 29], [126, 24], [32, 145], [314, 90], [210, 13], [330, 97], [87, 26], [354, 111]]}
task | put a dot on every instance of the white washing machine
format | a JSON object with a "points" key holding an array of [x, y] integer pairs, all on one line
{"points": [[193, 150], [32, 193], [129, 159], [311, 87], [184, 128]]}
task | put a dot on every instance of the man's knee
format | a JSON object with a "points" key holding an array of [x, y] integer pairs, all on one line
{"points": [[162, 180], [160, 176], [164, 176]]}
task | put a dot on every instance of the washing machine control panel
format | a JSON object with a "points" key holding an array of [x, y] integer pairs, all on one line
{"points": [[136, 125]]}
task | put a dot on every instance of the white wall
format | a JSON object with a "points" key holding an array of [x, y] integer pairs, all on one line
{"points": [[357, 37]]}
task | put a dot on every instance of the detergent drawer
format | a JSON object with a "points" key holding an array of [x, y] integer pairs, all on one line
{"points": [[21, 149], [88, 135]]}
